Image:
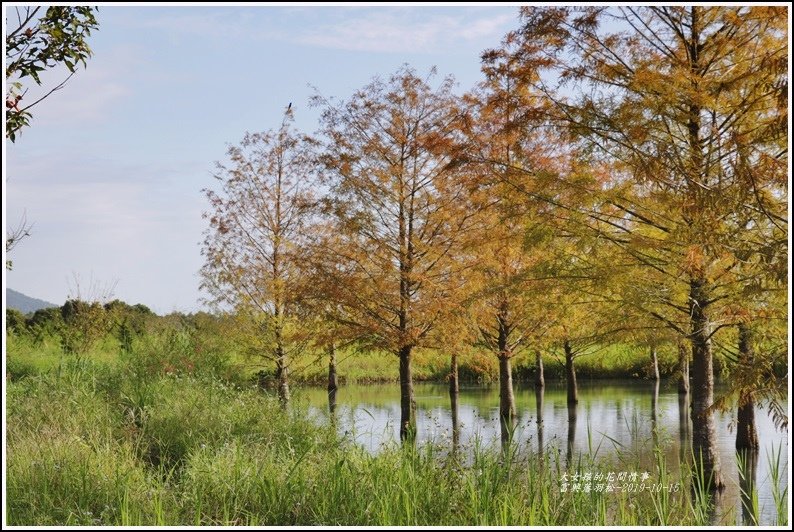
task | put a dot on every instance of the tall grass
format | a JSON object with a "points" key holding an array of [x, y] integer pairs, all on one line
{"points": [[780, 497], [92, 444]]}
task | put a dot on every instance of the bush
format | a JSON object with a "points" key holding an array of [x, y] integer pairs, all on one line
{"points": [[185, 414], [45, 322], [15, 322], [174, 351], [478, 366], [83, 325]]}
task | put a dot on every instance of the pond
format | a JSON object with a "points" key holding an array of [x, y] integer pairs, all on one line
{"points": [[612, 417]]}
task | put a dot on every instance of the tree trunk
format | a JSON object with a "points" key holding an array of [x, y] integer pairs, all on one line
{"points": [[454, 392], [454, 387], [570, 373], [333, 384], [282, 375], [746, 434], [704, 438], [539, 414], [507, 405], [282, 371], [655, 364], [540, 380], [453, 398], [407, 403], [683, 368]]}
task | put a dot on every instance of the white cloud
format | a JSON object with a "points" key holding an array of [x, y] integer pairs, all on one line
{"points": [[384, 29], [214, 23], [487, 28], [90, 95], [402, 31]]}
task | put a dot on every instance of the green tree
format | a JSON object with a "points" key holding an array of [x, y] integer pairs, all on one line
{"points": [[128, 321], [44, 322], [15, 321], [38, 39]]}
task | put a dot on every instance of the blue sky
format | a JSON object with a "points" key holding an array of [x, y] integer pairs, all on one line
{"points": [[112, 168]]}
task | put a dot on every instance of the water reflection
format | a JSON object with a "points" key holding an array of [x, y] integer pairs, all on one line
{"points": [[684, 429], [571, 434], [655, 414], [453, 397], [539, 416], [720, 513], [508, 428], [612, 417], [332, 403], [333, 382]]}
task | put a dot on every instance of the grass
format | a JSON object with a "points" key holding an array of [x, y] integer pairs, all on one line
{"points": [[178, 351], [171, 434], [780, 497], [27, 357], [618, 361], [96, 444]]}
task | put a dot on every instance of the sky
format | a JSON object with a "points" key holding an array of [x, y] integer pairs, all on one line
{"points": [[110, 172]]}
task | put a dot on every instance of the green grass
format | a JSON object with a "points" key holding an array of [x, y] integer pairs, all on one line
{"points": [[26, 357], [175, 432], [177, 351], [618, 361], [96, 444], [780, 497]]}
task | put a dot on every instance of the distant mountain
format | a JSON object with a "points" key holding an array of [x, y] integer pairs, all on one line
{"points": [[23, 303]]}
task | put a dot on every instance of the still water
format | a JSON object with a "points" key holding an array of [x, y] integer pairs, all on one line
{"points": [[612, 419]]}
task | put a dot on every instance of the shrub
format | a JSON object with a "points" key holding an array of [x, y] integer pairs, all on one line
{"points": [[84, 323], [185, 414], [478, 366], [44, 323], [15, 322], [174, 351]]}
